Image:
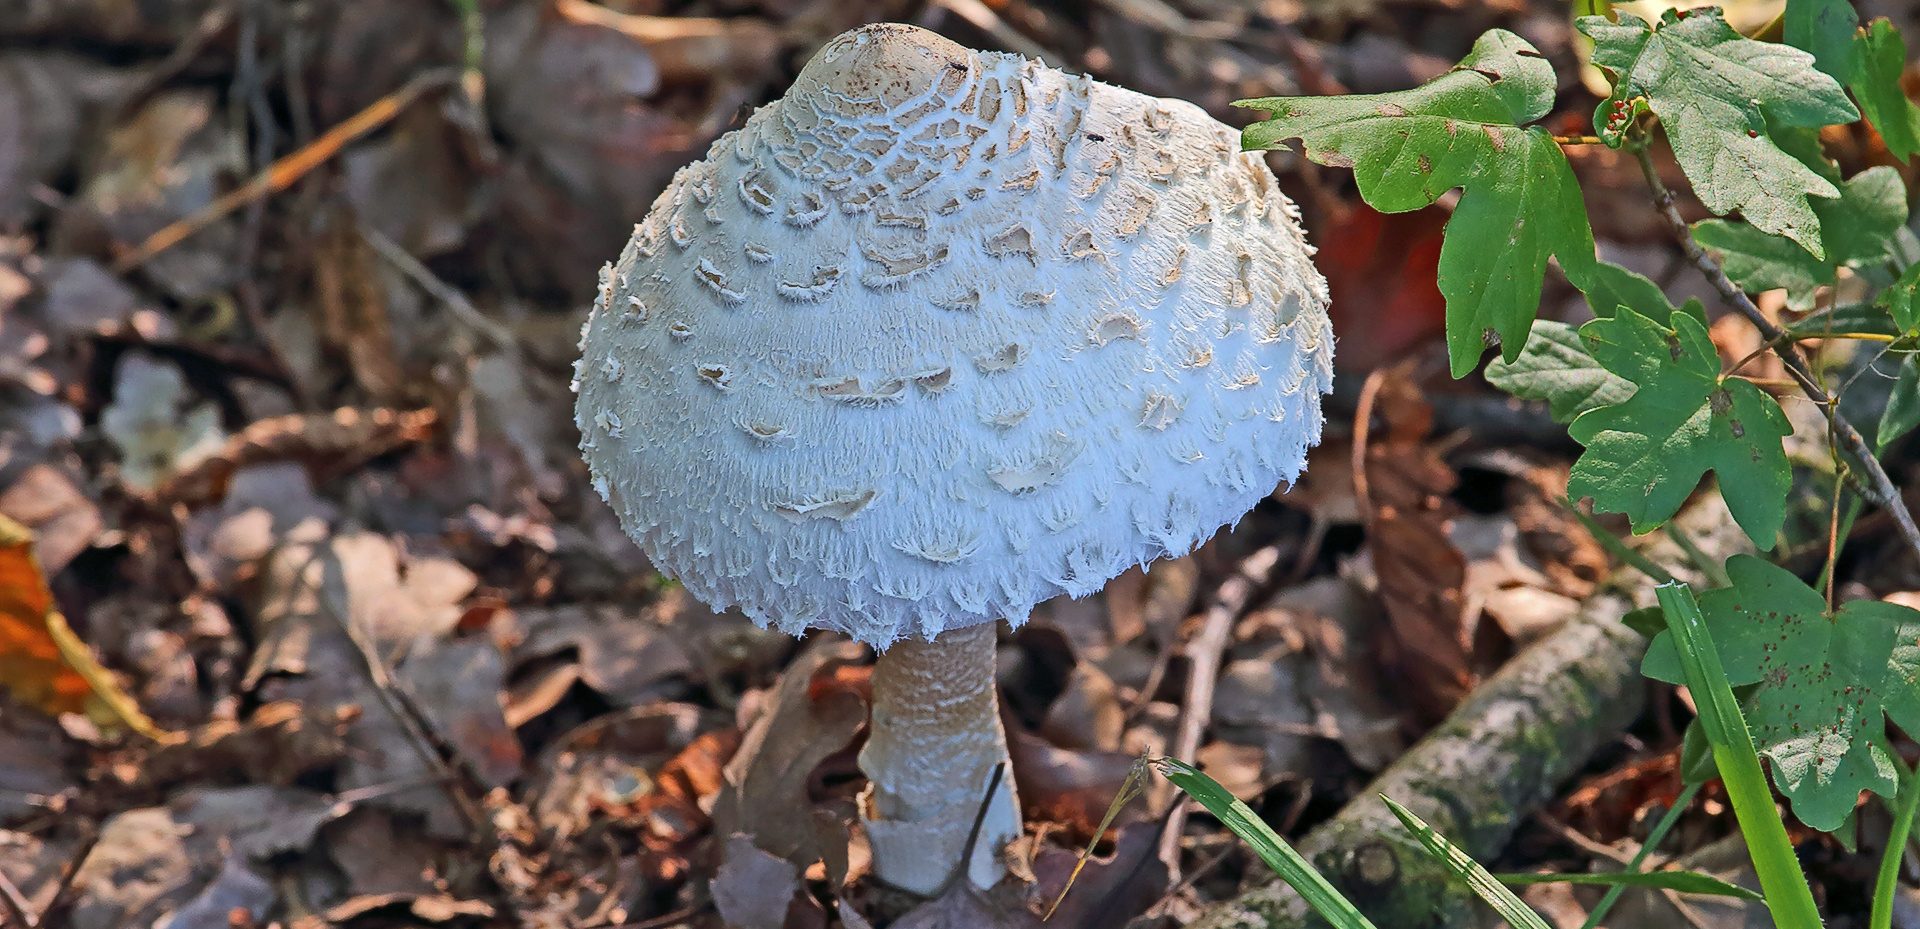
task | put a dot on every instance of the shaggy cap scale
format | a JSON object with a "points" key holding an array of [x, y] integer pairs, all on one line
{"points": [[942, 334]]}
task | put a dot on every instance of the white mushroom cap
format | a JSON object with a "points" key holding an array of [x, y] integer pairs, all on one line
{"points": [[941, 334]]}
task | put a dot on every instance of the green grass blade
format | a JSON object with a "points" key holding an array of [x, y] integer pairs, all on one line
{"points": [[1788, 895], [1660, 830], [1517, 914], [1686, 882], [1322, 896]]}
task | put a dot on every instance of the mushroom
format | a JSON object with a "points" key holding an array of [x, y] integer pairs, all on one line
{"points": [[936, 336]]}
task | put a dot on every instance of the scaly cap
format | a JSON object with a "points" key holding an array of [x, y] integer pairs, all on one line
{"points": [[941, 334]]}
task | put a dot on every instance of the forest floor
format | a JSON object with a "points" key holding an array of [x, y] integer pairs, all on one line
{"points": [[288, 308]]}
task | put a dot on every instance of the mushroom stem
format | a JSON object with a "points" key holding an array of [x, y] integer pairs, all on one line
{"points": [[935, 741]]}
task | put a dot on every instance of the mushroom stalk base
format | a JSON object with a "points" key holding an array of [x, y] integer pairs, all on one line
{"points": [[936, 739]]}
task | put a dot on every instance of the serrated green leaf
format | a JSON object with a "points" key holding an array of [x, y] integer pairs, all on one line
{"points": [[1645, 456], [1902, 300], [1825, 28], [1803, 143], [1715, 91], [1903, 672], [1612, 286], [1759, 262], [1903, 405], [1686, 882], [1520, 202], [1858, 229], [1882, 56], [1821, 683], [1647, 620], [1847, 317], [1555, 367]]}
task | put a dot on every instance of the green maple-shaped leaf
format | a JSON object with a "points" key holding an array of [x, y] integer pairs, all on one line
{"points": [[1826, 29], [1823, 682], [1611, 286], [1555, 367], [1902, 698], [1858, 229], [1882, 56], [1902, 300], [1520, 203], [1715, 92], [1903, 405], [1645, 456]]}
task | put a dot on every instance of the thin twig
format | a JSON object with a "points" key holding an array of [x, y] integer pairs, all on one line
{"points": [[1203, 658], [983, 18], [1582, 841], [1362, 431], [453, 773], [1878, 486], [1833, 533], [281, 174], [56, 911], [211, 24], [455, 301], [17, 902]]}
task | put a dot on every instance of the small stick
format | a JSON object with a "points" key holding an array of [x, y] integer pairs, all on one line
{"points": [[986, 20], [423, 276], [1203, 656], [57, 907], [1362, 430], [1879, 487], [17, 902], [283, 173]]}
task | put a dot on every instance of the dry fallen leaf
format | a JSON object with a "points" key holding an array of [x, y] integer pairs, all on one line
{"points": [[753, 889], [278, 744], [31, 666], [317, 599], [46, 99], [963, 907], [166, 162], [63, 519], [1072, 788], [630, 659], [379, 854], [1382, 270], [1422, 575], [1112, 888], [767, 795], [266, 506], [326, 444]]}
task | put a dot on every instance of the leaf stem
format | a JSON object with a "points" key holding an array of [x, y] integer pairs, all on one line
{"points": [[1885, 885], [1862, 336], [1579, 140], [1878, 486]]}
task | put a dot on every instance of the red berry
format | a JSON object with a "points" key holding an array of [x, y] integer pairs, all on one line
{"points": [[1753, 133]]}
